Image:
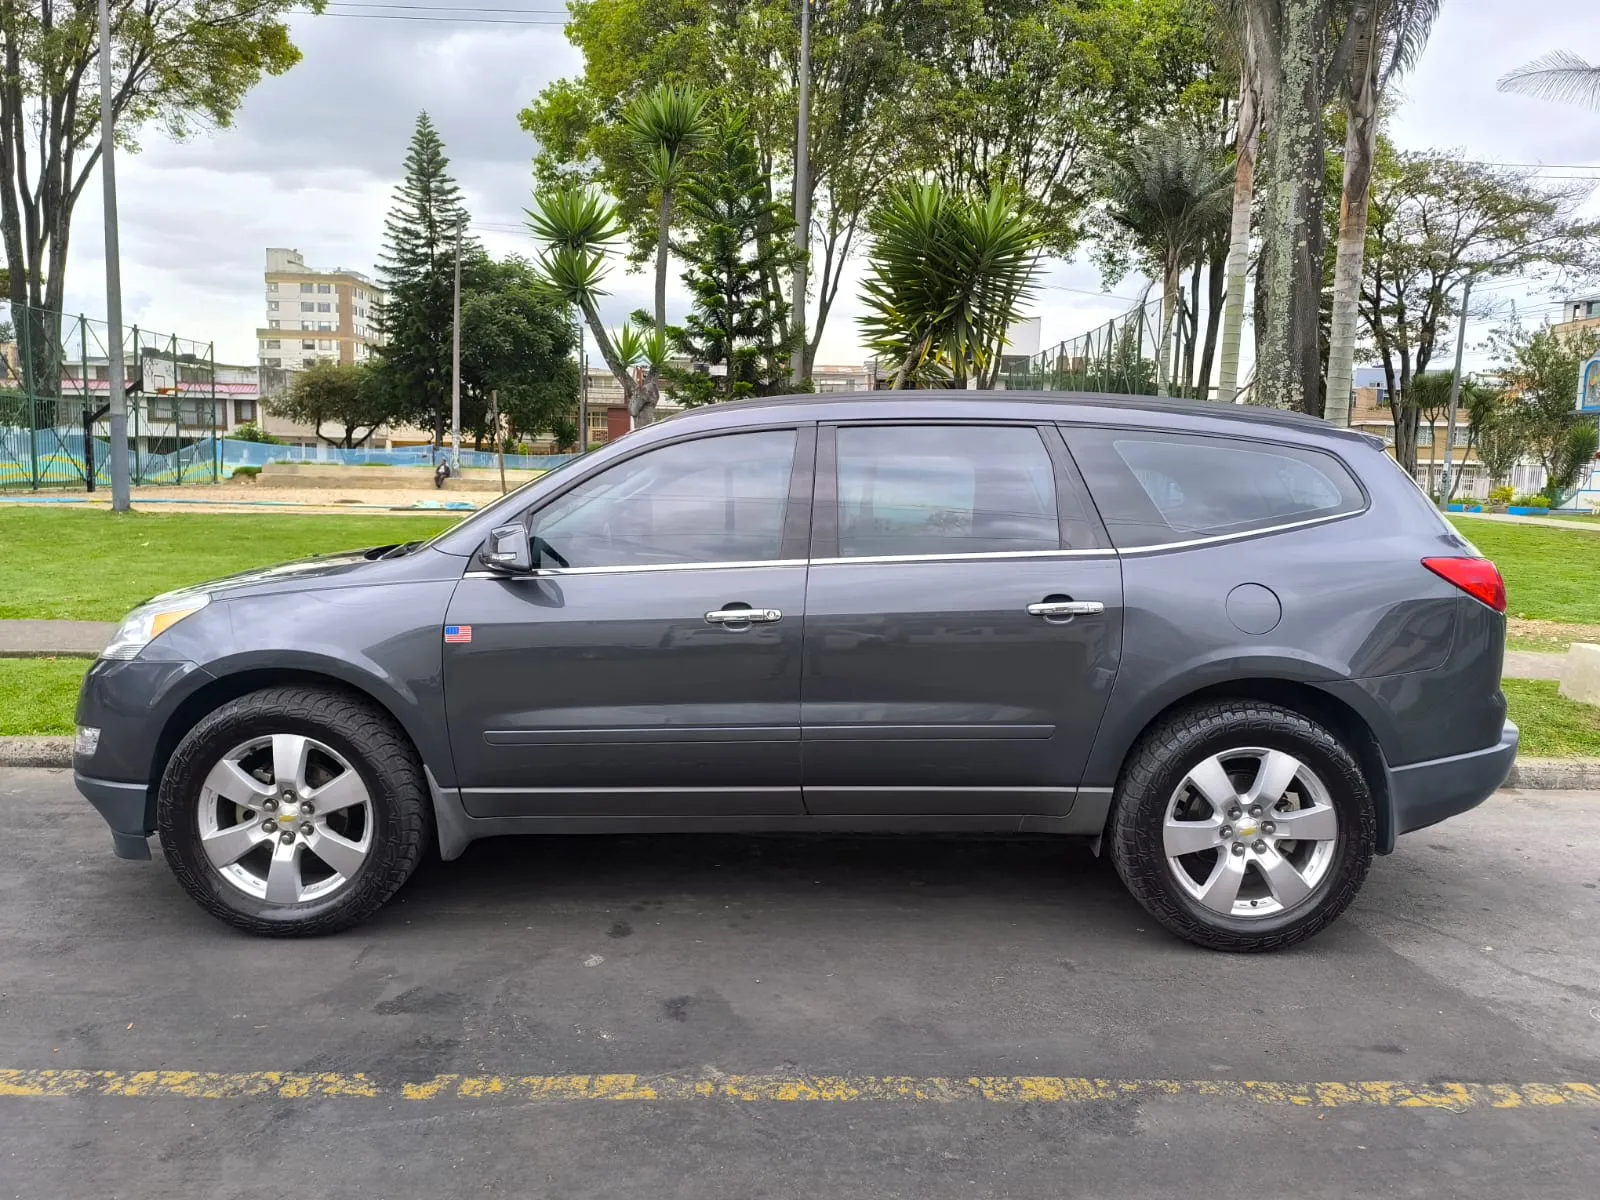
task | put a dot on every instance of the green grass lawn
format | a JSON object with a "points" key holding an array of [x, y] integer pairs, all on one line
{"points": [[1551, 574], [93, 565], [1552, 726], [38, 695]]}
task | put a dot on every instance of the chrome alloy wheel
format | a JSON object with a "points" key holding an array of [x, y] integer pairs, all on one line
{"points": [[1250, 832], [285, 819]]}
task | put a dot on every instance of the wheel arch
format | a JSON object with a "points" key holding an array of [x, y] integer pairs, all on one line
{"points": [[1309, 699]]}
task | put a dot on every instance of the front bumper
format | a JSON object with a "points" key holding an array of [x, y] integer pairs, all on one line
{"points": [[125, 807], [1425, 793]]}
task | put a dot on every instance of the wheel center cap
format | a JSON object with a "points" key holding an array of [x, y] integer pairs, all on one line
{"points": [[287, 817], [1248, 827]]}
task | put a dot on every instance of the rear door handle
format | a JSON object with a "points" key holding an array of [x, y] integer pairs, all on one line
{"points": [[1066, 608], [743, 616]]}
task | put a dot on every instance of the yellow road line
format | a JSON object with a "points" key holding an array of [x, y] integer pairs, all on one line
{"points": [[997, 1089]]}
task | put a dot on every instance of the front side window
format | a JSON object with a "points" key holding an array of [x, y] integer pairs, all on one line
{"points": [[719, 499], [1153, 488], [944, 489]]}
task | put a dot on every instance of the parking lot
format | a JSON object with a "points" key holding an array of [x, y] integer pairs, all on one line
{"points": [[786, 1016]]}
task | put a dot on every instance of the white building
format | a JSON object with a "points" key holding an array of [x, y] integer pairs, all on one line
{"points": [[314, 314]]}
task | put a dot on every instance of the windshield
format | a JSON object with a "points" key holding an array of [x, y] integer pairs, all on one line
{"points": [[510, 499]]}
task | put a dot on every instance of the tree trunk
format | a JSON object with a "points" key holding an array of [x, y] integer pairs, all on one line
{"points": [[1214, 284], [663, 229], [1169, 304], [1238, 254], [642, 406], [613, 361], [1289, 372], [1360, 145], [1191, 331]]}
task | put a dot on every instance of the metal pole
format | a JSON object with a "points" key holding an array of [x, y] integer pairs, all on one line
{"points": [[583, 389], [802, 199], [108, 175], [499, 436], [455, 364], [1455, 396]]}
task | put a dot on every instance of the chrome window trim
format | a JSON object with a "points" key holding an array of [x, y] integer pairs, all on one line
{"points": [[984, 556]]}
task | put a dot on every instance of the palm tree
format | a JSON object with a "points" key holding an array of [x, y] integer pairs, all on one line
{"points": [[667, 125], [578, 228], [1388, 39], [1169, 192], [948, 275], [1559, 75]]}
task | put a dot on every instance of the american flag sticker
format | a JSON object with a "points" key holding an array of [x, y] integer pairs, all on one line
{"points": [[458, 633]]}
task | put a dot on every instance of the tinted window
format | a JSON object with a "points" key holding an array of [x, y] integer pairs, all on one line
{"points": [[719, 499], [1153, 488], [928, 489]]}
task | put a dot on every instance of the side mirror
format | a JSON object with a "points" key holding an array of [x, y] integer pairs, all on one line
{"points": [[509, 550]]}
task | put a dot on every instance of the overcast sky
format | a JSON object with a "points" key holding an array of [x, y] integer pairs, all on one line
{"points": [[313, 158]]}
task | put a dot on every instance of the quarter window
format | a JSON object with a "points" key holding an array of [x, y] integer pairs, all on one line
{"points": [[944, 489], [1153, 488], [719, 499]]}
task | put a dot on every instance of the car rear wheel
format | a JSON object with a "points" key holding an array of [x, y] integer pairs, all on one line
{"points": [[293, 811], [1243, 826]]}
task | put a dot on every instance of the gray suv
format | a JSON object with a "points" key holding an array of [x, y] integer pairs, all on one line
{"points": [[1237, 649]]}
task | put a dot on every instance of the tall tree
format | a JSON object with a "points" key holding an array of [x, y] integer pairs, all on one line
{"points": [[1559, 75], [341, 395], [179, 64], [1435, 221], [1169, 192], [517, 343], [1388, 37], [947, 277], [417, 269], [1247, 138], [733, 271]]}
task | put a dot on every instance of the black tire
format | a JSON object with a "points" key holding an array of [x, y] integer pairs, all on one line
{"points": [[374, 746], [1159, 764]]}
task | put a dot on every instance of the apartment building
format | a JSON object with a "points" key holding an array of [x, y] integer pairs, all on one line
{"points": [[1579, 312], [315, 314], [1369, 413]]}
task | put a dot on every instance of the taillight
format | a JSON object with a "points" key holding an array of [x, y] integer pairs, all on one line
{"points": [[1477, 577]]}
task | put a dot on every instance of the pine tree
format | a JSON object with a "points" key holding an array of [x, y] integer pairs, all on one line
{"points": [[737, 253], [417, 270]]}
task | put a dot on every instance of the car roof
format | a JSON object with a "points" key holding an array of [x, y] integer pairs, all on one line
{"points": [[952, 404]]}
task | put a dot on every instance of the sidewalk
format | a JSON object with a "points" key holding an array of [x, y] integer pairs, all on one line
{"points": [[48, 639], [1577, 523]]}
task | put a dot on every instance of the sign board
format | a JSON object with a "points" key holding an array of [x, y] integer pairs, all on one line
{"points": [[1589, 386]]}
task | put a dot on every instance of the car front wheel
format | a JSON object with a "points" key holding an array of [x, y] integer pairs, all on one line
{"points": [[293, 811], [1242, 826]]}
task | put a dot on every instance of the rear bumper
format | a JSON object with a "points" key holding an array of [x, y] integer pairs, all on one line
{"points": [[124, 807], [1425, 793]]}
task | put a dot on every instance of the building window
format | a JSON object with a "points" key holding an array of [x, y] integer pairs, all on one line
{"points": [[273, 325], [308, 345], [307, 287], [274, 362], [274, 344], [272, 306], [1594, 308], [271, 286], [244, 410], [325, 307], [324, 288], [324, 344], [307, 306]]}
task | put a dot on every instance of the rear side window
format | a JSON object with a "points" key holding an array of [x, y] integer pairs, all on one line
{"points": [[1153, 488], [951, 489]]}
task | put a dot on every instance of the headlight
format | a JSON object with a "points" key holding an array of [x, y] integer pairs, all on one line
{"points": [[145, 623]]}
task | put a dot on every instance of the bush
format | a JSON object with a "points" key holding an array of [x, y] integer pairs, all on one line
{"points": [[252, 432], [1533, 500], [246, 473], [1501, 495]]}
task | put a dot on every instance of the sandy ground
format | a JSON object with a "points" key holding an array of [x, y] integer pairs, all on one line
{"points": [[250, 497]]}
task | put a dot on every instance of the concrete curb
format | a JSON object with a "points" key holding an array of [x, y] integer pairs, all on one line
{"points": [[1567, 774], [35, 752]]}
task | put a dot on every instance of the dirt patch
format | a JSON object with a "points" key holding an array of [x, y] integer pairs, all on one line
{"points": [[1525, 634], [255, 497]]}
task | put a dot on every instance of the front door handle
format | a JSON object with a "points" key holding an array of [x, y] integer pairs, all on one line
{"points": [[1066, 608], [743, 616]]}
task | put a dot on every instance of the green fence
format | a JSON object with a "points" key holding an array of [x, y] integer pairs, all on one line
{"points": [[55, 402], [1118, 357]]}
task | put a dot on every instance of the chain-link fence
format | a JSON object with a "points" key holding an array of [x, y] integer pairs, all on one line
{"points": [[1117, 357], [55, 388]]}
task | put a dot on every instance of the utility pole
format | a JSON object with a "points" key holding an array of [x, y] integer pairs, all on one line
{"points": [[583, 390], [1455, 396], [499, 435], [108, 175], [802, 198], [455, 361]]}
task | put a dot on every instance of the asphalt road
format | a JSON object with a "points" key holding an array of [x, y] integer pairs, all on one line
{"points": [[686, 966]]}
